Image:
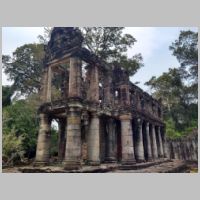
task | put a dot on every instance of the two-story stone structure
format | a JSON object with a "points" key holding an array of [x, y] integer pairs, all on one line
{"points": [[103, 117]]}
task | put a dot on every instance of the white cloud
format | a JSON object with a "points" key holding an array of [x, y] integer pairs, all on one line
{"points": [[146, 41], [13, 37]]}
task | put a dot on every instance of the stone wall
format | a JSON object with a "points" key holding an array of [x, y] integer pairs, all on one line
{"points": [[185, 148]]}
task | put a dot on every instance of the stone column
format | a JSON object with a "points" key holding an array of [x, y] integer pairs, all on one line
{"points": [[140, 145], [102, 139], [44, 140], [94, 84], [160, 146], [65, 84], [111, 131], [93, 140], [48, 93], [73, 141], [128, 156], [149, 151], [124, 95], [44, 83], [108, 97], [75, 77], [61, 139], [165, 148], [195, 149], [174, 144], [154, 144]]}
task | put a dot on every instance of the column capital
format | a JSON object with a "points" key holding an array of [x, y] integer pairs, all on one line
{"points": [[125, 117]]}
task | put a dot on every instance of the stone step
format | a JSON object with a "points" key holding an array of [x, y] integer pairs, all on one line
{"points": [[142, 165], [112, 167]]}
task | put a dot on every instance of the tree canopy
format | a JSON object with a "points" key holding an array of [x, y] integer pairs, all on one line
{"points": [[111, 45], [25, 67], [178, 86]]}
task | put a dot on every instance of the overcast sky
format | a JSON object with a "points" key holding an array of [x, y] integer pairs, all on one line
{"points": [[152, 42]]}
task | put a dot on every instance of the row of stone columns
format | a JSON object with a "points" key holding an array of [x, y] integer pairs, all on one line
{"points": [[155, 142], [70, 140]]}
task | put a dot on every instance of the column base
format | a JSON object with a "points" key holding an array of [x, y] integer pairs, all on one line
{"points": [[93, 163], [40, 163], [140, 160], [161, 156], [155, 159], [127, 164], [71, 165], [150, 159], [110, 160]]}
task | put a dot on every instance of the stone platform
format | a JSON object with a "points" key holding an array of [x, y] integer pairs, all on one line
{"points": [[160, 166]]}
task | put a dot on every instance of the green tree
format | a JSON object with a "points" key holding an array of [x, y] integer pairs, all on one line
{"points": [[178, 87], [186, 51], [43, 39], [20, 120], [7, 93], [111, 45], [12, 149], [25, 68]]}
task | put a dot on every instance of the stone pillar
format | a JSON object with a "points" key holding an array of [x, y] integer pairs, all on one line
{"points": [[111, 131], [124, 95], [149, 151], [93, 140], [165, 148], [195, 149], [94, 84], [160, 146], [44, 83], [65, 85], [75, 77], [108, 97], [128, 156], [102, 139], [154, 144], [73, 140], [48, 93], [140, 145], [44, 140], [175, 150], [61, 139]]}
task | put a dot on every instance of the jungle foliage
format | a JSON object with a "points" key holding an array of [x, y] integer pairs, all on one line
{"points": [[178, 88]]}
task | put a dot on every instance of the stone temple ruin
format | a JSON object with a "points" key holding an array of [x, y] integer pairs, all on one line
{"points": [[185, 148], [103, 117]]}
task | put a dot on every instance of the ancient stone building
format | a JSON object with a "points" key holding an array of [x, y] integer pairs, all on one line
{"points": [[103, 117]]}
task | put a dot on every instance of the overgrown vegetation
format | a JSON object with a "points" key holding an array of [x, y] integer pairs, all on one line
{"points": [[178, 88]]}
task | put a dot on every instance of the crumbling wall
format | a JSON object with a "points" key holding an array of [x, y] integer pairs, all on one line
{"points": [[185, 148]]}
